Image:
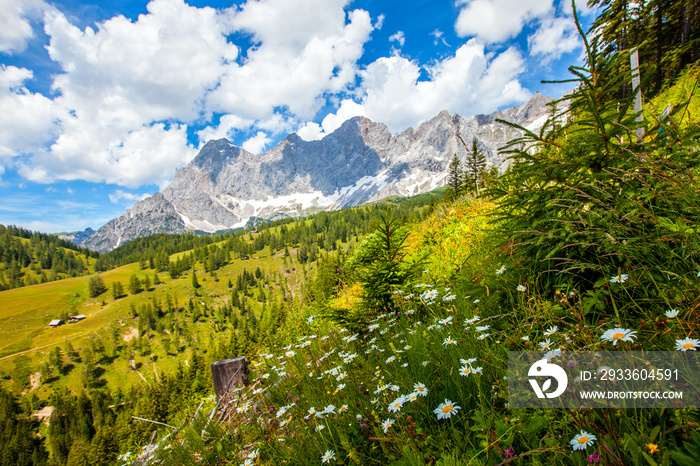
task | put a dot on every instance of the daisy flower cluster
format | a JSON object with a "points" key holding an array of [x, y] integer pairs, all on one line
{"points": [[340, 392], [372, 382]]}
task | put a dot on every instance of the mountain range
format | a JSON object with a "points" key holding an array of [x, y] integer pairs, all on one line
{"points": [[225, 187]]}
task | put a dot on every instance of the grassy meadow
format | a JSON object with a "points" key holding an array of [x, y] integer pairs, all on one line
{"points": [[26, 338]]}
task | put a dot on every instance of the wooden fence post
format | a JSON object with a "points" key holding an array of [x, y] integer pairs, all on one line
{"points": [[227, 374]]}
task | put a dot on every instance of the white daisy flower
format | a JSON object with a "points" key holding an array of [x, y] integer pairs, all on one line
{"points": [[396, 405], [672, 313], [446, 321], [521, 288], [330, 409], [449, 341], [420, 389], [582, 441], [465, 371], [552, 354], [619, 334], [622, 278], [328, 456], [545, 345], [446, 409], [687, 344], [551, 331], [386, 424]]}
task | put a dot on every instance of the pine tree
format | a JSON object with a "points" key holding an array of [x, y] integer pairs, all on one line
{"points": [[475, 165], [135, 284], [454, 179], [195, 283], [117, 290]]}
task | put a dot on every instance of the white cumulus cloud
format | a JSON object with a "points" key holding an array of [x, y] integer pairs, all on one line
{"points": [[348, 109], [123, 88], [306, 48], [554, 37], [228, 125], [119, 194], [398, 37], [257, 144], [392, 91], [27, 119], [494, 21], [469, 82], [15, 23]]}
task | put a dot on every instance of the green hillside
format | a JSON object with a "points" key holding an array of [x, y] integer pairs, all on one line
{"points": [[28, 258]]}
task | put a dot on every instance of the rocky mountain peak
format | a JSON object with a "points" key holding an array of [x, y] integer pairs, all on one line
{"points": [[215, 154], [225, 186]]}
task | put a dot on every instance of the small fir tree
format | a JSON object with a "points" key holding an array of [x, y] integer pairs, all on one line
{"points": [[475, 166], [135, 284], [117, 290], [454, 179]]}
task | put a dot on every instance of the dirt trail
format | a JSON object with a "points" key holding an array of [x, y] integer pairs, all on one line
{"points": [[36, 348]]}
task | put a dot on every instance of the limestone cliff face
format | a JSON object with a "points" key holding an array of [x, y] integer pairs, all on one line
{"points": [[150, 216], [224, 186]]}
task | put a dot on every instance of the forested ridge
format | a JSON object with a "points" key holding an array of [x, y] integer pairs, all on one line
{"points": [[27, 258]]}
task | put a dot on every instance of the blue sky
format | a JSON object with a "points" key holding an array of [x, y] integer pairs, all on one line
{"points": [[101, 102]]}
